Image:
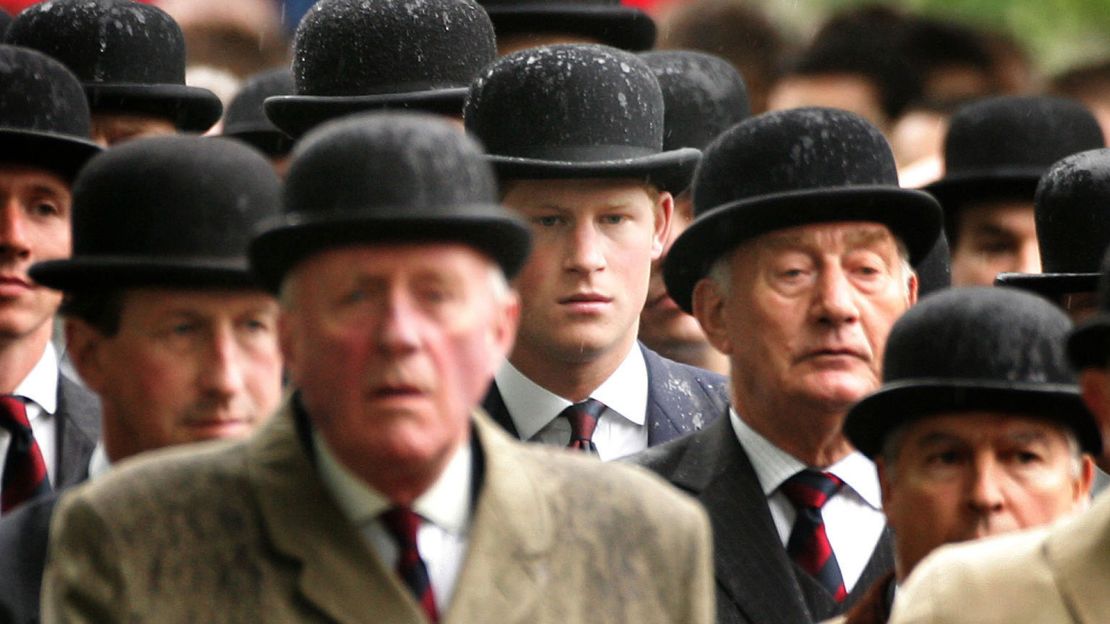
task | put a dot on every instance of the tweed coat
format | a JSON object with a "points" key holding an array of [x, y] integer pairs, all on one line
{"points": [[1050, 575], [246, 532]]}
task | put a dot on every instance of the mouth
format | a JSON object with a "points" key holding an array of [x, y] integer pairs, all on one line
{"points": [[395, 391], [12, 282], [836, 353], [589, 298]]}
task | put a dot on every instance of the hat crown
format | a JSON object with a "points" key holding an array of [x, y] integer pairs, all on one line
{"points": [[105, 41], [1018, 133], [987, 335], [392, 166], [245, 113], [703, 95], [173, 197], [797, 150], [39, 94], [1072, 212], [567, 102], [354, 47]]}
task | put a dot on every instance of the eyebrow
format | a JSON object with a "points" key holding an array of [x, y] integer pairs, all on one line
{"points": [[993, 230], [855, 239]]}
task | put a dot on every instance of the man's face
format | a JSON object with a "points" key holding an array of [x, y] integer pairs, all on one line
{"points": [[392, 346], [185, 366], [664, 326], [962, 476], [807, 314], [586, 281], [34, 226], [109, 129], [994, 237]]}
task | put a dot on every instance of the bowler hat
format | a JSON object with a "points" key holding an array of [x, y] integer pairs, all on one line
{"points": [[1072, 212], [246, 120], [165, 211], [605, 21], [703, 95], [934, 272], [1089, 342], [974, 349], [575, 111], [5, 21], [402, 177], [129, 56], [998, 148], [788, 168], [352, 55], [44, 118]]}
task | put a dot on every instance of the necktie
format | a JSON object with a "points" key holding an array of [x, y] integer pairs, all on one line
{"points": [[808, 545], [583, 420], [403, 523], [24, 468]]}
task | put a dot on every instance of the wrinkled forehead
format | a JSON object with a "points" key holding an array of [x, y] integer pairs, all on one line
{"points": [[984, 429], [830, 237]]}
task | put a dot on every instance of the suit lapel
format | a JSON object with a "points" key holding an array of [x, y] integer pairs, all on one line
{"points": [[678, 400], [494, 405], [511, 533], [751, 564], [661, 427], [1077, 556], [337, 570], [78, 422]]}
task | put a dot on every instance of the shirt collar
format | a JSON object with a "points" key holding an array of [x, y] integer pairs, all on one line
{"points": [[446, 504], [773, 465], [99, 462], [532, 406], [41, 384]]}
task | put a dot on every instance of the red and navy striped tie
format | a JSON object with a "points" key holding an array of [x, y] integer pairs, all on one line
{"points": [[583, 419], [808, 545], [403, 523], [24, 468]]}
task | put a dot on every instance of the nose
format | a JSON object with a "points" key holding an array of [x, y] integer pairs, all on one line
{"points": [[1029, 257], [834, 301], [13, 231], [398, 333], [985, 491], [224, 374], [586, 253]]}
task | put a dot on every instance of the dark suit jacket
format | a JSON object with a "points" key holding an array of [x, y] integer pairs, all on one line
{"points": [[681, 399], [756, 580], [25, 532]]}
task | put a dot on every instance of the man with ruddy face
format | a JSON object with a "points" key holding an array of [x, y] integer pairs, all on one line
{"points": [[590, 175], [163, 321], [379, 487], [796, 266], [978, 429]]}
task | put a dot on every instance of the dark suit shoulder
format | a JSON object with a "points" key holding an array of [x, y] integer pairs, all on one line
{"points": [[681, 398], [24, 535], [683, 454], [78, 421]]}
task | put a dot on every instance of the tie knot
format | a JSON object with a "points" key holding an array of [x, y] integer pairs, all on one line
{"points": [[811, 488], [583, 420], [403, 523], [13, 414]]}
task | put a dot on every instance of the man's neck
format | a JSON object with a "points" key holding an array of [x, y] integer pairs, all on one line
{"points": [[19, 355], [812, 435], [573, 380]]}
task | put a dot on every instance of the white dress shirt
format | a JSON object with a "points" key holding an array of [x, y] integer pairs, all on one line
{"points": [[853, 517], [620, 430], [445, 510], [39, 391]]}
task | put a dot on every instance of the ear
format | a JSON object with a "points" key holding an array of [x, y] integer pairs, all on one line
{"points": [[1084, 481], [505, 322], [911, 290], [85, 348], [884, 479], [664, 214], [709, 309], [287, 341]]}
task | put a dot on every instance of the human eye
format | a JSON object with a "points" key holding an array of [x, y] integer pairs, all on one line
{"points": [[548, 221], [613, 219]]}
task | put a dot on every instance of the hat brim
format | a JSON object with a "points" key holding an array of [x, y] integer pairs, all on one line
{"points": [[191, 109], [622, 27], [914, 217], [61, 154], [1050, 284], [114, 272], [287, 241], [868, 424], [295, 115], [670, 171], [985, 184]]}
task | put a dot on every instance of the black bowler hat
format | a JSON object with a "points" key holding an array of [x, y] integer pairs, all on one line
{"points": [[166, 211], [606, 21], [44, 119], [974, 349], [934, 272], [789, 168], [1072, 212], [246, 120], [129, 56], [575, 111], [352, 55], [1089, 342], [999, 148], [5, 21], [703, 95], [403, 177]]}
